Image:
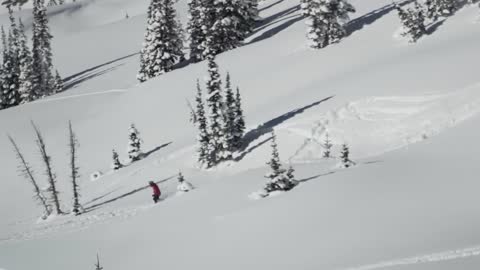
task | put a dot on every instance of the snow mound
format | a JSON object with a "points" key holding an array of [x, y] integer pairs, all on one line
{"points": [[375, 125]]}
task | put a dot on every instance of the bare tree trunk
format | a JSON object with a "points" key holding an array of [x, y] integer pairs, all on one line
{"points": [[27, 172], [48, 170], [73, 144], [97, 265]]}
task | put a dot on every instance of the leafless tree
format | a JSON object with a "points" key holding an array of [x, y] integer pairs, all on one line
{"points": [[27, 172], [48, 170], [73, 145]]}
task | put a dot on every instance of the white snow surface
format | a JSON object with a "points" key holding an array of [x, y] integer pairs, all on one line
{"points": [[409, 113]]}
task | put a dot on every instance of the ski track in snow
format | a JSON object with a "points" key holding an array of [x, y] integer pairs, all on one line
{"points": [[69, 224], [434, 257], [79, 96]]}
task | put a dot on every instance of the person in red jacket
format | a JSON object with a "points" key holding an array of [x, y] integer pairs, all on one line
{"points": [[156, 191]]}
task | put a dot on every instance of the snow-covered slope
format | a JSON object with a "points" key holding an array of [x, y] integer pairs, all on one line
{"points": [[409, 112]]}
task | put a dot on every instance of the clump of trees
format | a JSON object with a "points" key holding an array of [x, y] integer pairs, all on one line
{"points": [[219, 118], [26, 75], [326, 21], [280, 179], [415, 16], [52, 202]]}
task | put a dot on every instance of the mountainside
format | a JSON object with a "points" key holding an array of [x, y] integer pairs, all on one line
{"points": [[409, 113]]}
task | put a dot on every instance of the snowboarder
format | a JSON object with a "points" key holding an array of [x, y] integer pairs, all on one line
{"points": [[156, 191]]}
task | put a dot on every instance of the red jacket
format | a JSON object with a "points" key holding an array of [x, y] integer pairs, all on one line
{"points": [[156, 189]]}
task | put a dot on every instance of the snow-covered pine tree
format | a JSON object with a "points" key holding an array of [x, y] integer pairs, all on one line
{"points": [[218, 148], [413, 22], [325, 20], [440, 8], [183, 186], [10, 69], [27, 172], [3, 99], [195, 31], [229, 115], [25, 59], [290, 175], [233, 20], [14, 48], [345, 156], [73, 145], [163, 45], [57, 83], [274, 163], [239, 121], [180, 177], [206, 20], [280, 179], [134, 144], [203, 136], [48, 170], [116, 164], [327, 145], [41, 51]]}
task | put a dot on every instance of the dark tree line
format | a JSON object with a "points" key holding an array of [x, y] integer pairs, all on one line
{"points": [[219, 118], [26, 75], [213, 27]]}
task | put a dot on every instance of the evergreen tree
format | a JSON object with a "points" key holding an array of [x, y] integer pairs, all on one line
{"points": [[195, 31], [116, 164], [203, 136], [57, 83], [280, 179], [218, 148], [239, 129], [233, 20], [10, 69], [274, 163], [27, 172], [230, 115], [413, 22], [180, 178], [73, 145], [42, 78], [327, 144], [25, 89], [163, 45], [324, 20], [183, 186], [345, 156], [206, 19], [134, 144], [440, 8], [3, 92], [48, 170], [290, 174]]}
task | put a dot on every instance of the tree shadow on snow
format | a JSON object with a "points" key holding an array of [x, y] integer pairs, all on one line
{"points": [[250, 150], [88, 76], [268, 126], [371, 17], [122, 196], [314, 177], [145, 155], [275, 19], [90, 73], [271, 5]]}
